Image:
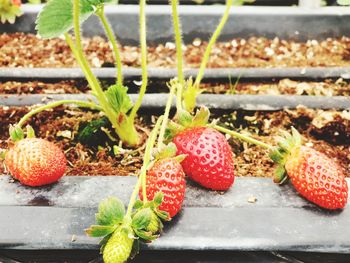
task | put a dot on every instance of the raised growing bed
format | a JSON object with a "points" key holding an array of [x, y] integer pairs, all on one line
{"points": [[278, 227]]}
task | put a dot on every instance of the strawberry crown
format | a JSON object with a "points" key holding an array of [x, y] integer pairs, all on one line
{"points": [[185, 121], [287, 144]]}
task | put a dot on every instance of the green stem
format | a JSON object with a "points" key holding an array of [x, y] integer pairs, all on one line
{"points": [[146, 160], [179, 55], [56, 104], [93, 82], [111, 37], [143, 43], [212, 42], [166, 116], [243, 137], [178, 41]]}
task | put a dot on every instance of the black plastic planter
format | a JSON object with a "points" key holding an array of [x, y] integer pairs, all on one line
{"points": [[54, 218]]}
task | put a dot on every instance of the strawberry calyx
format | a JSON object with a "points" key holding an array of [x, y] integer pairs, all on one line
{"points": [[186, 121], [154, 226], [287, 145], [17, 133]]}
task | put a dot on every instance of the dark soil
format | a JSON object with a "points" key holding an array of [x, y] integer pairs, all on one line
{"points": [[327, 131], [27, 50], [285, 86]]}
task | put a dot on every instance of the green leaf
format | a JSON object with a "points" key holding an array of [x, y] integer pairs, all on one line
{"points": [[30, 132], [118, 98], [56, 18], [343, 2], [99, 231], [142, 218], [111, 211], [148, 236], [185, 118]]}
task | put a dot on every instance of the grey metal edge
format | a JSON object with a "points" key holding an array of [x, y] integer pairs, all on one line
{"points": [[54, 217], [164, 74], [200, 21], [219, 102]]}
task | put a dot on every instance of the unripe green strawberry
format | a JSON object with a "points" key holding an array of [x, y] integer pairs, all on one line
{"points": [[154, 224], [118, 247], [317, 178], [35, 162]]}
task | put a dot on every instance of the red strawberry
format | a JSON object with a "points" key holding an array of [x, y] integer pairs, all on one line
{"points": [[17, 2], [317, 178], [35, 162], [166, 176], [209, 160], [314, 175]]}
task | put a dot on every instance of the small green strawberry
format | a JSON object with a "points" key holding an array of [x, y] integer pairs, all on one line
{"points": [[119, 246]]}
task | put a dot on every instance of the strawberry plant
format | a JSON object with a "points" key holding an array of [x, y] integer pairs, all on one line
{"points": [[9, 10], [57, 18], [161, 188]]}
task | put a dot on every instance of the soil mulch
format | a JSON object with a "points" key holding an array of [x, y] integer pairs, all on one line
{"points": [[27, 50], [327, 131], [285, 86]]}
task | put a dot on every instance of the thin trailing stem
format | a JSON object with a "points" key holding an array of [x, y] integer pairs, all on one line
{"points": [[178, 41], [146, 160], [111, 37], [243, 137], [212, 42], [143, 43], [179, 55], [166, 116], [79, 103]]}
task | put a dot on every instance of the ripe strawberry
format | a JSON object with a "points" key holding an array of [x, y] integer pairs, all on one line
{"points": [[17, 2], [314, 175], [209, 160], [35, 162], [118, 247], [166, 176]]}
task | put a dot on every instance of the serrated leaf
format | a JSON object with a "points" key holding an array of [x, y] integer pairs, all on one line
{"points": [[111, 211], [118, 98], [56, 18], [99, 231], [142, 218]]}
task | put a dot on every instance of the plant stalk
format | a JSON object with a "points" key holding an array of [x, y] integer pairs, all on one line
{"points": [[166, 116], [179, 55], [111, 37], [143, 43], [212, 42], [84, 104], [243, 137], [146, 160], [93, 82]]}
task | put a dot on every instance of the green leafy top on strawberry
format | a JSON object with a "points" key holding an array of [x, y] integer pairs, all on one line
{"points": [[288, 145], [57, 16], [186, 121]]}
